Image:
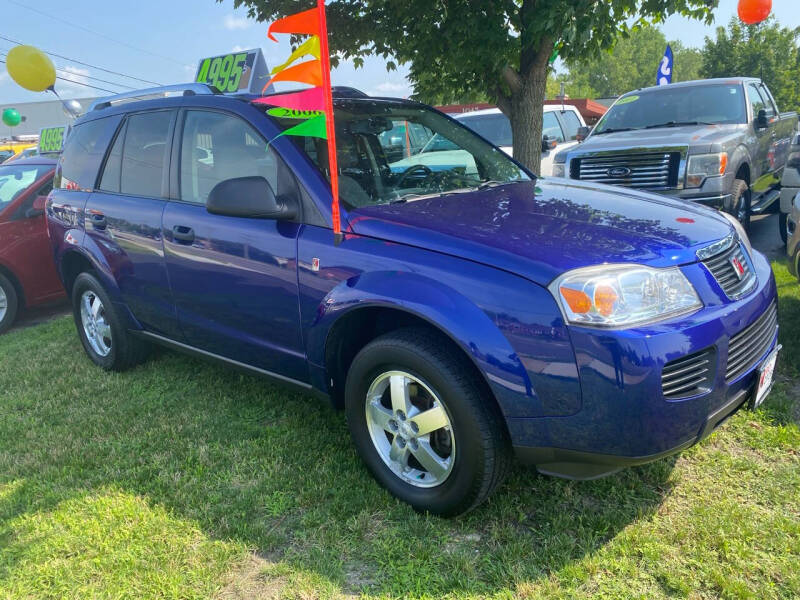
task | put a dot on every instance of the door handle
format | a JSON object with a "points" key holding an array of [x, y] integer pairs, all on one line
{"points": [[183, 234], [98, 220]]}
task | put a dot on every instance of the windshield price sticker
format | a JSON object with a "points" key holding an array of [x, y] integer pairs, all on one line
{"points": [[627, 100], [236, 72], [51, 139]]}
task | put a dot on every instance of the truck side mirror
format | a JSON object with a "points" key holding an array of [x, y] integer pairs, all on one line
{"points": [[583, 133], [548, 143], [761, 119]]}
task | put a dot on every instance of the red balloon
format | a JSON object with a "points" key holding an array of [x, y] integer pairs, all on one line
{"points": [[754, 11]]}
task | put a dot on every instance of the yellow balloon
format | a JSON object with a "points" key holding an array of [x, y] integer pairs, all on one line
{"points": [[31, 68]]}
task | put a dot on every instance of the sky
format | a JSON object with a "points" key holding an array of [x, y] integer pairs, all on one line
{"points": [[163, 40]]}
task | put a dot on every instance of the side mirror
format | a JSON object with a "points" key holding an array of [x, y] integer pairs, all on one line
{"points": [[37, 209], [761, 119], [583, 133], [250, 197], [548, 143]]}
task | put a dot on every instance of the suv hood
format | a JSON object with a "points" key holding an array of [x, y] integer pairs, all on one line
{"points": [[699, 137], [541, 229]]}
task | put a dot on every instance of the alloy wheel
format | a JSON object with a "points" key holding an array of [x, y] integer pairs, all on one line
{"points": [[3, 304], [95, 326], [410, 429]]}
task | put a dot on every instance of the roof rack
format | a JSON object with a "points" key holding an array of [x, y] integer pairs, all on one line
{"points": [[186, 89]]}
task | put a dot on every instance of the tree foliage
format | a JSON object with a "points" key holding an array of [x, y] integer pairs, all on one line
{"points": [[765, 50], [630, 64], [497, 48]]}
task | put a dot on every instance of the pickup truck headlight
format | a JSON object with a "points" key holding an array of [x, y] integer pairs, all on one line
{"points": [[701, 166], [622, 296], [558, 169]]}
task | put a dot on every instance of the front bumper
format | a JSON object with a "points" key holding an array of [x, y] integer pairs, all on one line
{"points": [[625, 419]]}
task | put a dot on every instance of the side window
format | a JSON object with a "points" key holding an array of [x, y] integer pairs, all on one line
{"points": [[571, 124], [551, 128], [83, 152], [144, 153], [768, 101], [215, 147], [109, 182], [756, 101]]}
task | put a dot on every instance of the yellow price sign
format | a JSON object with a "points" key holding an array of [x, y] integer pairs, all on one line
{"points": [[51, 139]]}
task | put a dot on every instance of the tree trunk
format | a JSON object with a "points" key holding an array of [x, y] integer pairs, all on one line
{"points": [[526, 118]]}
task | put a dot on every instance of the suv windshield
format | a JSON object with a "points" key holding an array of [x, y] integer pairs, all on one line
{"points": [[15, 179], [453, 159], [673, 106]]}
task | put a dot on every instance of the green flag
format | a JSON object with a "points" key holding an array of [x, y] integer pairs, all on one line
{"points": [[314, 127]]}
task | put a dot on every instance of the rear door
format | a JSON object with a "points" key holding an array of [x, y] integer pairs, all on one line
{"points": [[123, 216], [234, 279]]}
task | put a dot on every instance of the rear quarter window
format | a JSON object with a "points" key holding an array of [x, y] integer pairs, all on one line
{"points": [[83, 152]]}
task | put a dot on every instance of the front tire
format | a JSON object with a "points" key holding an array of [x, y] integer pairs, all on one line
{"points": [[740, 203], [9, 303], [421, 424], [104, 337], [783, 219]]}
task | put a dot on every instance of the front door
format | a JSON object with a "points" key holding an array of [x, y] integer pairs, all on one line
{"points": [[234, 280]]}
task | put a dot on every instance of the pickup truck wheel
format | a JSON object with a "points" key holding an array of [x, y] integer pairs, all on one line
{"points": [[8, 303], [421, 424], [783, 219], [740, 203], [102, 333]]}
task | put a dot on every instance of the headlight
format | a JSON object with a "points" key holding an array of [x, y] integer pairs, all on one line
{"points": [[558, 169], [705, 165], [622, 296], [740, 232]]}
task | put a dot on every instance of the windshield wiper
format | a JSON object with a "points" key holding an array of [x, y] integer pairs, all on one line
{"points": [[612, 130], [677, 124]]}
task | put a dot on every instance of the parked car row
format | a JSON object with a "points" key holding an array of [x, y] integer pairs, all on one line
{"points": [[471, 311]]}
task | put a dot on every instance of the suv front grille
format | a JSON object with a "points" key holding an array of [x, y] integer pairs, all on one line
{"points": [[647, 170], [688, 376], [747, 346], [732, 271]]}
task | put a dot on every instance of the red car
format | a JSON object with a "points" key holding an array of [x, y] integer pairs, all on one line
{"points": [[27, 272]]}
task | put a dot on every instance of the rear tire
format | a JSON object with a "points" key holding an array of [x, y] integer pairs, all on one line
{"points": [[9, 303], [740, 203], [783, 219], [103, 335], [467, 440]]}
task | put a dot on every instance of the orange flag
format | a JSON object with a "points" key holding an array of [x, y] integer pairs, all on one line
{"points": [[306, 72], [305, 22]]}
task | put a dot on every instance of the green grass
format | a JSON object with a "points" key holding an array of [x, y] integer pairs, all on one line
{"points": [[182, 479]]}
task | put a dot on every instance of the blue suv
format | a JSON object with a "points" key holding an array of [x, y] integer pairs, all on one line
{"points": [[471, 312]]}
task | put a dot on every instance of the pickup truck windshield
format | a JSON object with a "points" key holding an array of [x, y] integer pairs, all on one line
{"points": [[495, 127], [380, 164], [675, 106]]}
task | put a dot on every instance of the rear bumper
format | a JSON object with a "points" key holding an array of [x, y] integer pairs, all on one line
{"points": [[625, 419]]}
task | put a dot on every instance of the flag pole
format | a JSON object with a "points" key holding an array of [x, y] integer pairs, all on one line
{"points": [[325, 58]]}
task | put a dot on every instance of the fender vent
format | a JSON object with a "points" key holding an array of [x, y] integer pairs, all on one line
{"points": [[689, 376]]}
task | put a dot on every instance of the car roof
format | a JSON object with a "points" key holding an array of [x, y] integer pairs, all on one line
{"points": [[698, 83], [33, 160]]}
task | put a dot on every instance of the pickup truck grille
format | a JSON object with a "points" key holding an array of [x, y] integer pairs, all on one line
{"points": [[750, 344], [688, 376], [732, 271], [645, 170]]}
